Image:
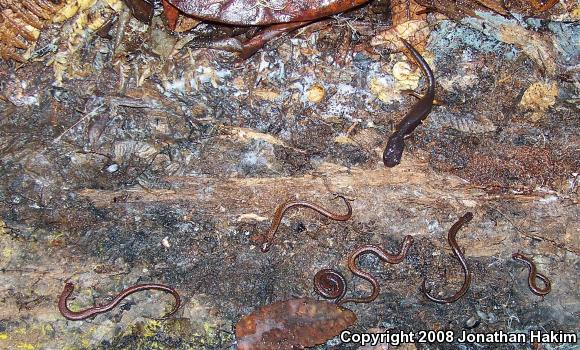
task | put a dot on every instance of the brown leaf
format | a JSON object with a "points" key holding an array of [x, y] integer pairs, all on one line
{"points": [[291, 324], [176, 20], [496, 6], [186, 23], [406, 10], [171, 14], [141, 9], [409, 23], [262, 12]]}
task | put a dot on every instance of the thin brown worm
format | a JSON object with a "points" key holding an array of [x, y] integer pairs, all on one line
{"points": [[533, 275], [384, 256], [95, 310], [330, 284], [268, 237], [457, 251]]}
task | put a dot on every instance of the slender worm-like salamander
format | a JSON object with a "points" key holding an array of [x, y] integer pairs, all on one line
{"points": [[95, 310], [533, 275], [277, 219], [330, 284], [457, 251], [394, 150], [384, 256]]}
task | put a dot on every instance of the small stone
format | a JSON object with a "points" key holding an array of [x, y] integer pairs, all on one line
{"points": [[472, 322], [316, 93], [112, 168]]}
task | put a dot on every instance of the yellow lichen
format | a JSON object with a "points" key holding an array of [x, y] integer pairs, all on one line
{"points": [[66, 12], [71, 8], [540, 96], [116, 5], [405, 79], [575, 14], [85, 342], [7, 252], [151, 328], [383, 90], [3, 228], [46, 329], [267, 95], [25, 346]]}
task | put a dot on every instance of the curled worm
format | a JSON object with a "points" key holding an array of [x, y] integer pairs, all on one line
{"points": [[95, 310], [268, 237], [533, 275], [384, 256], [457, 251], [330, 284]]}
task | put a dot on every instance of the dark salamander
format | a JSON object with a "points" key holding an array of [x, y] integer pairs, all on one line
{"points": [[394, 150]]}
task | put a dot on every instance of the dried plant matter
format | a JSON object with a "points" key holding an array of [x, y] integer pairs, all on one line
{"points": [[175, 21], [142, 10], [171, 14], [292, 324], [409, 22], [20, 23], [472, 8], [262, 12]]}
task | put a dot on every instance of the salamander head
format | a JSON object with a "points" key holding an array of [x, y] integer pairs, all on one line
{"points": [[68, 288], [394, 150]]}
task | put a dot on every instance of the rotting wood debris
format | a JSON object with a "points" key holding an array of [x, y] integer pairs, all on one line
{"points": [[134, 154]]}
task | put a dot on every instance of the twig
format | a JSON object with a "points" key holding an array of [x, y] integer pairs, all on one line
{"points": [[86, 116], [532, 236]]}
